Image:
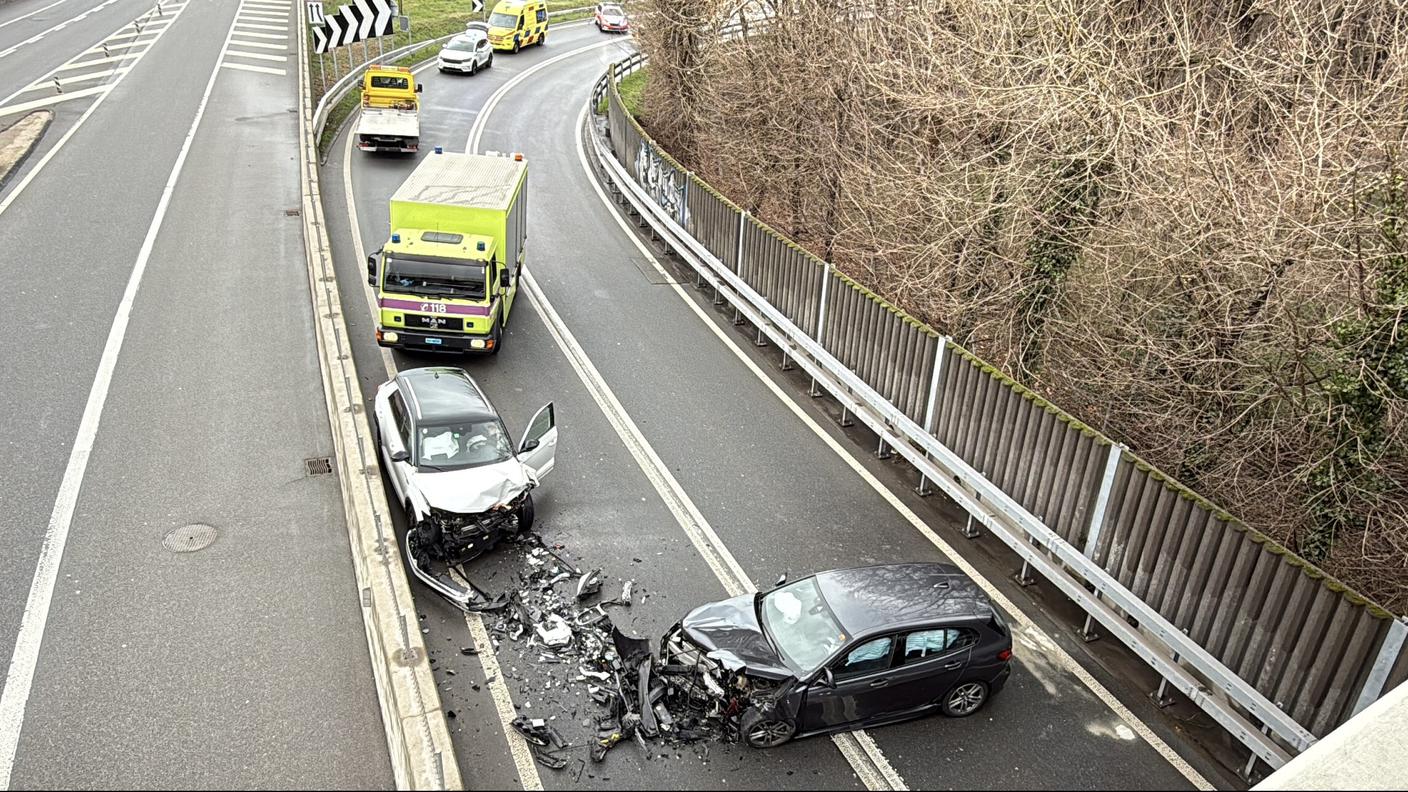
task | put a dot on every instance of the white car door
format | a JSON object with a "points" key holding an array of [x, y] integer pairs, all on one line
{"points": [[538, 449], [392, 443]]}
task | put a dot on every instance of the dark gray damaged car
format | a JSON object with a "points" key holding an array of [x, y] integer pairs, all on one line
{"points": [[848, 649]]}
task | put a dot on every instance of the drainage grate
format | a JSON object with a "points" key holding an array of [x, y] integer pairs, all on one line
{"points": [[293, 213], [189, 538], [318, 466]]}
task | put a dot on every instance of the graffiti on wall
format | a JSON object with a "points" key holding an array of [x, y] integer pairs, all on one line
{"points": [[665, 185]]}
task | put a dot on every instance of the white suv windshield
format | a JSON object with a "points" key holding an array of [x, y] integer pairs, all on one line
{"points": [[802, 626], [461, 445]]}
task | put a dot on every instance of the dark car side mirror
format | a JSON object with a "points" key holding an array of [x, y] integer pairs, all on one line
{"points": [[529, 445], [420, 87], [403, 455], [371, 270]]}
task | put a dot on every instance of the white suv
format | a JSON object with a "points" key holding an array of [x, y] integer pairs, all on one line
{"points": [[468, 52], [463, 484]]}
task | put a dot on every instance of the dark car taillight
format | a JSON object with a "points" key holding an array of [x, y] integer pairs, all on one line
{"points": [[1004, 655]]}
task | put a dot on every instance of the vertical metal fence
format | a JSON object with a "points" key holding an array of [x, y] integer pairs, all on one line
{"points": [[1315, 650]]}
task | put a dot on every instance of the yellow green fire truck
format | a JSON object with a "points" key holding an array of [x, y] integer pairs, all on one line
{"points": [[446, 279]]}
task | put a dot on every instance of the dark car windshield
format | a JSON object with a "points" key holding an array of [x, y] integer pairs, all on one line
{"points": [[430, 277], [503, 20], [463, 444], [802, 626]]}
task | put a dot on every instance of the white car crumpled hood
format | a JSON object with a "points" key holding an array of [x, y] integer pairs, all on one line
{"points": [[472, 490]]}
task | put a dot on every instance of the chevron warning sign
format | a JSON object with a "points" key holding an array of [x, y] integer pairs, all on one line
{"points": [[362, 20]]}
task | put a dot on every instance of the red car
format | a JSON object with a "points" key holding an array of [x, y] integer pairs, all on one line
{"points": [[611, 18]]}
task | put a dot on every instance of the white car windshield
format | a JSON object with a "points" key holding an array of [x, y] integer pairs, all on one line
{"points": [[802, 626], [460, 445], [461, 44], [612, 11]]}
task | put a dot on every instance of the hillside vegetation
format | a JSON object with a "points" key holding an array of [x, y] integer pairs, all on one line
{"points": [[1182, 221]]}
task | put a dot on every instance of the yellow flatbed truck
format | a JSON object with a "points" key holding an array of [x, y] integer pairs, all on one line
{"points": [[390, 119], [446, 279]]}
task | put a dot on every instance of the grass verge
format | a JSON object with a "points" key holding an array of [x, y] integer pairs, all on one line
{"points": [[632, 91]]}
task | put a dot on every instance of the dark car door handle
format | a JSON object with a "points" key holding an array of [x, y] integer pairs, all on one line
{"points": [[880, 683], [953, 665]]}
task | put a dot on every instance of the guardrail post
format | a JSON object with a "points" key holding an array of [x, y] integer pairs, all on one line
{"points": [[934, 379], [1383, 664], [821, 318], [738, 257], [1102, 501], [1161, 696]]}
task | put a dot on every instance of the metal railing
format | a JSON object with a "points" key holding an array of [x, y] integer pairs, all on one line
{"points": [[1261, 640]]}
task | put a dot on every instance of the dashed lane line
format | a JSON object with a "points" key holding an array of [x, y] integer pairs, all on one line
{"points": [[25, 16], [54, 28]]}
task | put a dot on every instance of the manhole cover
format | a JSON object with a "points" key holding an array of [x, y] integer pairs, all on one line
{"points": [[318, 466], [189, 538]]}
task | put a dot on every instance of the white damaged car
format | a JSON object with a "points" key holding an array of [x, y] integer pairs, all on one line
{"points": [[463, 483]]}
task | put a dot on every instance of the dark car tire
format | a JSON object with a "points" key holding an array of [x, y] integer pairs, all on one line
{"points": [[965, 699], [525, 514], [766, 731], [516, 45], [489, 64], [498, 334], [543, 39], [473, 68]]}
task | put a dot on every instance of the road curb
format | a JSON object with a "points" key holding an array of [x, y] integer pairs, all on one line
{"points": [[15, 152], [417, 736]]}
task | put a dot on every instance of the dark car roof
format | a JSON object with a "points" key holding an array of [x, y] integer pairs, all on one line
{"points": [[895, 596], [437, 394]]}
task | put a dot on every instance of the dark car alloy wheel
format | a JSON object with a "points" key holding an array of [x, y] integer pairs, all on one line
{"points": [[965, 699], [765, 731]]}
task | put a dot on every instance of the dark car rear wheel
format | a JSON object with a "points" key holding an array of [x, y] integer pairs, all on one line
{"points": [[766, 731], [966, 699]]}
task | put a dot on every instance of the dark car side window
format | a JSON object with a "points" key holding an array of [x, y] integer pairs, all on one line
{"points": [[869, 656], [398, 414], [923, 644]]}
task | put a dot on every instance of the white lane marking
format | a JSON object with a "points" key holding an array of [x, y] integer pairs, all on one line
{"points": [[270, 36], [98, 61], [24, 107], [255, 16], [120, 36], [259, 69], [260, 45], [472, 142], [23, 17], [1033, 631], [253, 26], [19, 680], [60, 26], [499, 693], [49, 155], [869, 764], [48, 85], [488, 660], [258, 56]]}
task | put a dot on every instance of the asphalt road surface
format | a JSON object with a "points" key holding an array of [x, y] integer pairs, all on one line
{"points": [[160, 373], [771, 493]]}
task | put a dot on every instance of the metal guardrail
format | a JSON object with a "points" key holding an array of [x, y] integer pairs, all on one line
{"points": [[1249, 633]]}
